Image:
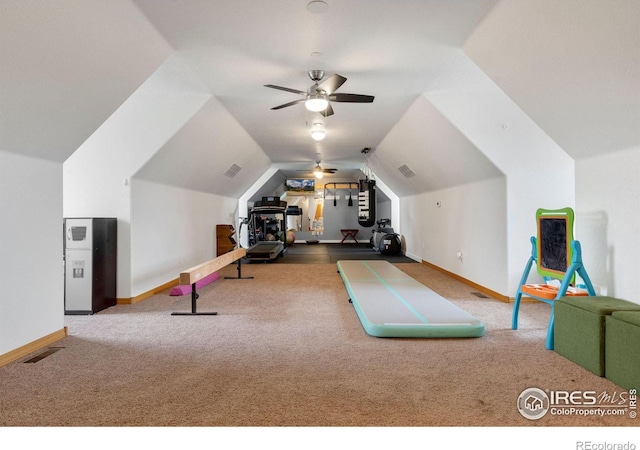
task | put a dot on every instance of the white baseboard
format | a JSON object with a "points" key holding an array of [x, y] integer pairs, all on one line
{"points": [[414, 257]]}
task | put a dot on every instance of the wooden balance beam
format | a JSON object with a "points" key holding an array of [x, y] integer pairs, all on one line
{"points": [[192, 275]]}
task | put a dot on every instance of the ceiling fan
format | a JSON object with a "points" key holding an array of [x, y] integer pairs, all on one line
{"points": [[319, 172], [318, 97]]}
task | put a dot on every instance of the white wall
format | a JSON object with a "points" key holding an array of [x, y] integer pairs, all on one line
{"points": [[413, 233], [539, 173], [433, 148], [97, 175], [470, 219], [198, 154], [388, 209], [31, 269], [341, 216], [572, 66], [172, 229], [473, 132], [608, 221]]}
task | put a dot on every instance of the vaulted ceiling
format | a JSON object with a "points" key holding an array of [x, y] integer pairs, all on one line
{"points": [[68, 66]]}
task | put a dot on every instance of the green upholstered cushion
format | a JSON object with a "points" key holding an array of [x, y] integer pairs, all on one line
{"points": [[622, 349], [579, 332], [631, 317], [599, 304], [579, 336]]}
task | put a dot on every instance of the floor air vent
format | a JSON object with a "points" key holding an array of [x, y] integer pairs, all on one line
{"points": [[50, 351], [479, 294]]}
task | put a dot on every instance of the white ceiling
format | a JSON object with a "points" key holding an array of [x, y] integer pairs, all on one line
{"points": [[574, 68], [67, 67], [392, 50]]}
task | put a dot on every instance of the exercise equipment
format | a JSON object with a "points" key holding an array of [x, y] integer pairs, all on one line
{"points": [[390, 244], [294, 218], [340, 186], [380, 232], [265, 251], [557, 256], [200, 272], [268, 233], [390, 303], [367, 202], [183, 289]]}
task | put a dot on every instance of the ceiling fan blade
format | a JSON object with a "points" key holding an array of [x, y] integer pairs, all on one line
{"points": [[351, 98], [329, 170], [331, 84], [327, 112], [295, 91], [295, 102]]}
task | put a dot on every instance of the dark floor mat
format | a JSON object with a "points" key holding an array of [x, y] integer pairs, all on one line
{"points": [[332, 253]]}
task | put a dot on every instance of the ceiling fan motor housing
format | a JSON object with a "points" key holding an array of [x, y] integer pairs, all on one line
{"points": [[316, 75]]}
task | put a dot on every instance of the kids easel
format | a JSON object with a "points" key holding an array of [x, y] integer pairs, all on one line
{"points": [[551, 251]]}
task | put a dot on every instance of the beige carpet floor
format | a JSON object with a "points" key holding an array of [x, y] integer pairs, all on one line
{"points": [[287, 349]]}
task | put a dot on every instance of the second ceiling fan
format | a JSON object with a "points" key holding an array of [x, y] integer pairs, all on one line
{"points": [[319, 171], [318, 97]]}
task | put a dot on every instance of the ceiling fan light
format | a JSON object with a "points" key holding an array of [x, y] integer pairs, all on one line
{"points": [[318, 174], [318, 129], [316, 102], [318, 135]]}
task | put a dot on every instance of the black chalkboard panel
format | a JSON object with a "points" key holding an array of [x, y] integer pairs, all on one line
{"points": [[553, 244], [555, 233]]}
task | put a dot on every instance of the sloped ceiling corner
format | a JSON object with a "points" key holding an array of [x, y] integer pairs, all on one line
{"points": [[572, 66], [66, 67], [199, 154], [273, 186], [391, 50], [430, 146]]}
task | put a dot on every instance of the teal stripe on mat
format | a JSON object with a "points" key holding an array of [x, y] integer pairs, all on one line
{"points": [[398, 296]]}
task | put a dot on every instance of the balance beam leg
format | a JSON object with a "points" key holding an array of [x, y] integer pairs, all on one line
{"points": [[239, 277], [194, 312]]}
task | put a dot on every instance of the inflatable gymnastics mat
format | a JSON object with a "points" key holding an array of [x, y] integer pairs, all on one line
{"points": [[390, 303]]}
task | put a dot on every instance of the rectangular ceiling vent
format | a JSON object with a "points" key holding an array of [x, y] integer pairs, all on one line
{"points": [[233, 170], [406, 171]]}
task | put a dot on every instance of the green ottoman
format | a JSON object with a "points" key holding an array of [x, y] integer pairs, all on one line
{"points": [[579, 328], [622, 349]]}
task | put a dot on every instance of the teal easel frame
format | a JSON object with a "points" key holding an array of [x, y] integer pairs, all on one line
{"points": [[576, 267]]}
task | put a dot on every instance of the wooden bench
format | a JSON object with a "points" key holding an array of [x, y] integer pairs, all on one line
{"points": [[192, 275]]}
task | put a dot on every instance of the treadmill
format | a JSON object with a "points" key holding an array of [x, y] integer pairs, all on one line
{"points": [[265, 250]]}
